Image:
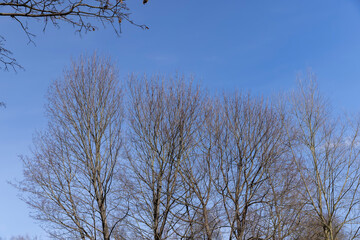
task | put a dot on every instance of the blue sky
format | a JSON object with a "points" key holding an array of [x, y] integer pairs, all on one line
{"points": [[257, 46]]}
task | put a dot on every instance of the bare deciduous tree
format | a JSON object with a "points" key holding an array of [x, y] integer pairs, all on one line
{"points": [[84, 15], [71, 179], [195, 167], [200, 216], [284, 209], [327, 158], [250, 140], [162, 121]]}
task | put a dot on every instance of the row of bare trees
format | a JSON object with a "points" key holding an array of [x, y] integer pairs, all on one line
{"points": [[163, 159]]}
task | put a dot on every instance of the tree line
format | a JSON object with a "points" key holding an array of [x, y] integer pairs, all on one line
{"points": [[161, 158]]}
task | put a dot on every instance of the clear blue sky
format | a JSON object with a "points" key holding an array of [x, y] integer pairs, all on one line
{"points": [[248, 45]]}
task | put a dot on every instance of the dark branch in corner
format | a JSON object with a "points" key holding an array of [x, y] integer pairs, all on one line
{"points": [[83, 15]]}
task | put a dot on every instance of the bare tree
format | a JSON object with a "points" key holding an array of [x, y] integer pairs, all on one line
{"points": [[284, 211], [200, 217], [162, 121], [71, 179], [250, 140], [312, 228], [195, 167], [327, 158], [84, 15]]}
